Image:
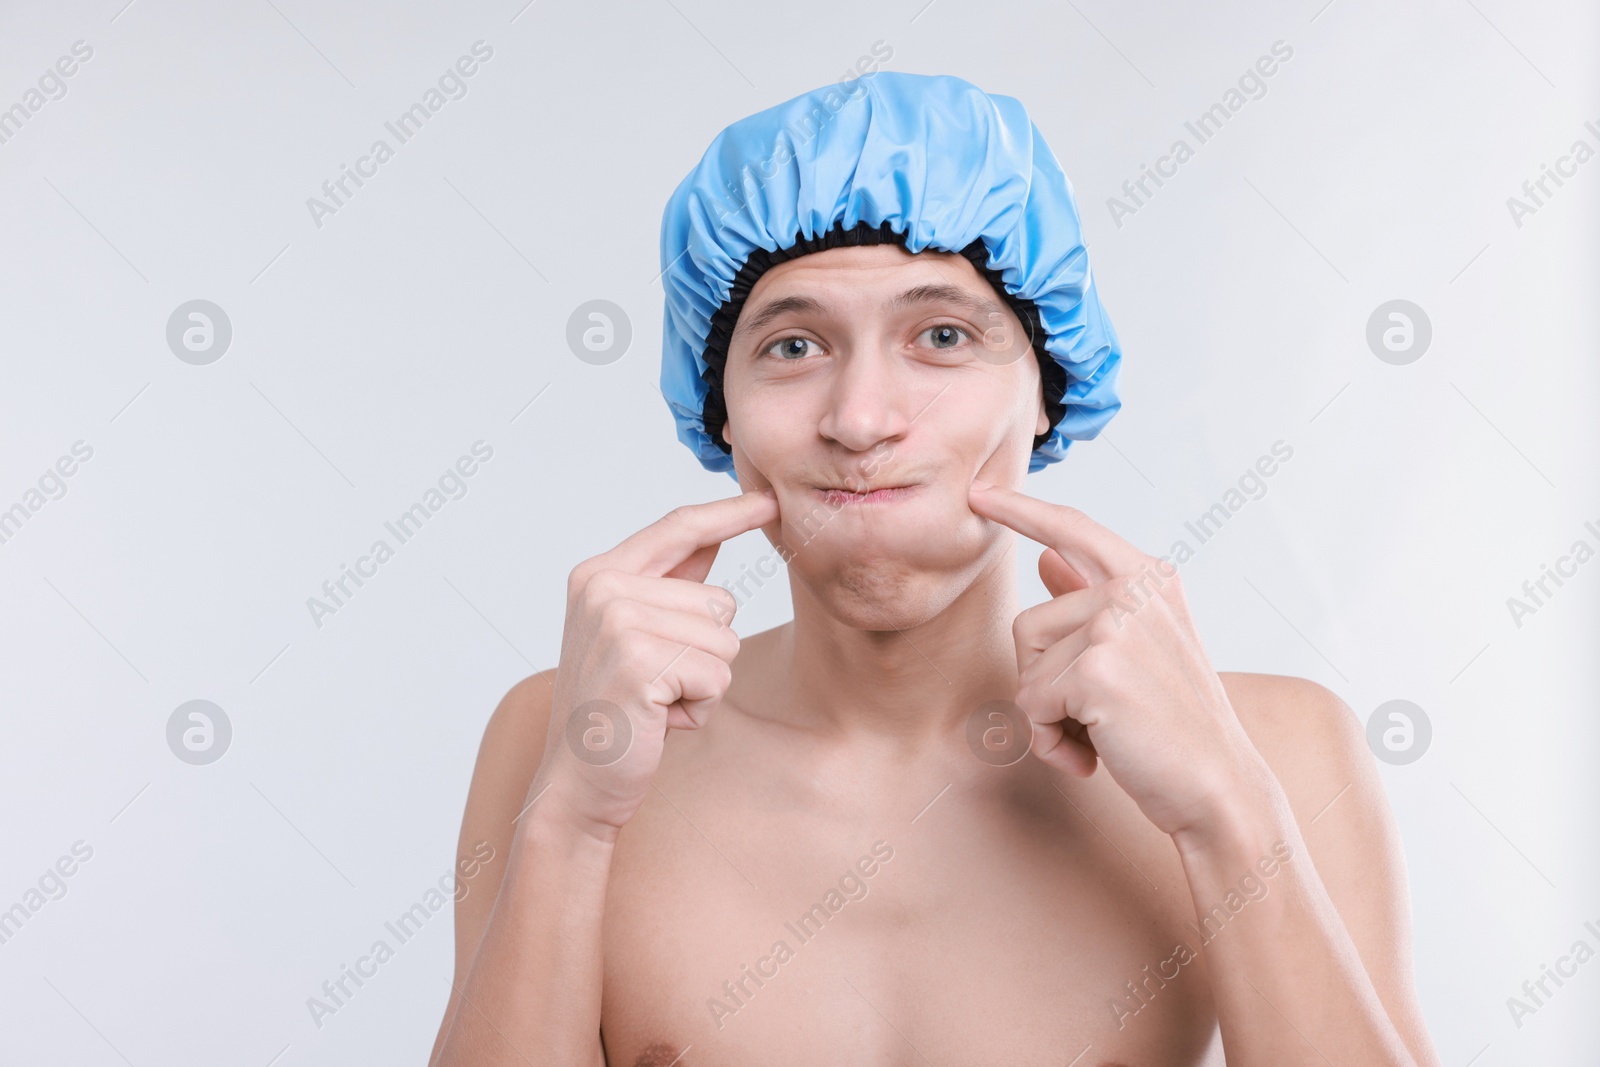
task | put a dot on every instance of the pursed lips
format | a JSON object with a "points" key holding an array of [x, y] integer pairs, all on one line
{"points": [[880, 495]]}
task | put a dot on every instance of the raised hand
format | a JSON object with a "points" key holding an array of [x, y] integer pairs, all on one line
{"points": [[1112, 669], [646, 647]]}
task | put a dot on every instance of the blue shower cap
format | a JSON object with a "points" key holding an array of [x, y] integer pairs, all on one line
{"points": [[926, 161]]}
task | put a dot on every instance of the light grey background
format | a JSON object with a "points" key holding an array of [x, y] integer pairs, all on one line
{"points": [[371, 352]]}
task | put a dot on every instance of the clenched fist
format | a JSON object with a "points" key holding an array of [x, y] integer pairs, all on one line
{"points": [[646, 647]]}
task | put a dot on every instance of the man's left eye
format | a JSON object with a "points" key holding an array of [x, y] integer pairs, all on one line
{"points": [[945, 336]]}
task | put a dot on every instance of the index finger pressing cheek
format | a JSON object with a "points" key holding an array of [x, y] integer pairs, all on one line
{"points": [[679, 534], [1092, 550]]}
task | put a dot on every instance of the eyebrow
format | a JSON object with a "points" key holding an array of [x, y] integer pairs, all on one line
{"points": [[921, 294]]}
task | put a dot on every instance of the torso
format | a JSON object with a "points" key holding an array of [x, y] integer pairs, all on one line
{"points": [[1014, 908]]}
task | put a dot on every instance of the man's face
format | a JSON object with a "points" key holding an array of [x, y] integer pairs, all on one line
{"points": [[861, 369]]}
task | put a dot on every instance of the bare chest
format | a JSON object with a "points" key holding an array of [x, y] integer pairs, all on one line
{"points": [[952, 921]]}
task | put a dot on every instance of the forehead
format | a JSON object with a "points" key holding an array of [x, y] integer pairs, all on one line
{"points": [[873, 266]]}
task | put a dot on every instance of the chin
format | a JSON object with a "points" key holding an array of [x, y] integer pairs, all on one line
{"points": [[883, 579], [869, 596]]}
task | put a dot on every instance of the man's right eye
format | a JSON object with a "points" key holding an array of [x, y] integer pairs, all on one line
{"points": [[789, 348]]}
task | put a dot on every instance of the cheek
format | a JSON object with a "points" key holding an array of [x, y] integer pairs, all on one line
{"points": [[987, 421], [769, 432], [771, 423], [1000, 440]]}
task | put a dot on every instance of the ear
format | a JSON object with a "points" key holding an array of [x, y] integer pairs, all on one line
{"points": [[723, 433], [1042, 423]]}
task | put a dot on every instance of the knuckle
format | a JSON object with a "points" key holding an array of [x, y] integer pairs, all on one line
{"points": [[1071, 518], [1094, 666], [578, 579], [620, 615], [604, 583], [604, 587], [1135, 592], [1024, 625], [1165, 575], [721, 605], [1174, 584], [1104, 626], [635, 659]]}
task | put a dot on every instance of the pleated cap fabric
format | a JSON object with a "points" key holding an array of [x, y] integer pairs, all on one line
{"points": [[932, 158]]}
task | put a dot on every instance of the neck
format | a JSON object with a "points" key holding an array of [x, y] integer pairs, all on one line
{"points": [[903, 682]]}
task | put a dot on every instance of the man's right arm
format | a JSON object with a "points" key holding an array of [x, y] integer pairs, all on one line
{"points": [[528, 931], [646, 647]]}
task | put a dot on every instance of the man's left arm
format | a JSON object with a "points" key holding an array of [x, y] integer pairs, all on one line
{"points": [[1112, 669], [1321, 939]]}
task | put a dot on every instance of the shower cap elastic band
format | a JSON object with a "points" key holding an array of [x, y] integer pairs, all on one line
{"points": [[923, 161]]}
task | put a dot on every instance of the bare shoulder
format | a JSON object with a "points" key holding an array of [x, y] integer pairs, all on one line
{"points": [[509, 754], [513, 740], [1317, 748], [1307, 734]]}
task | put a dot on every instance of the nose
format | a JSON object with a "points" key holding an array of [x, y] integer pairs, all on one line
{"points": [[867, 399]]}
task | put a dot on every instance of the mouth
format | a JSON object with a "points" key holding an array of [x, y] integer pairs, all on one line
{"points": [[845, 497]]}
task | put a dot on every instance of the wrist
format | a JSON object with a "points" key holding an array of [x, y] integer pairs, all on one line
{"points": [[1245, 814], [552, 819], [549, 845]]}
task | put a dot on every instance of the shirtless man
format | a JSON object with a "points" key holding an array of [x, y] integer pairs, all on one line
{"points": [[879, 833]]}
